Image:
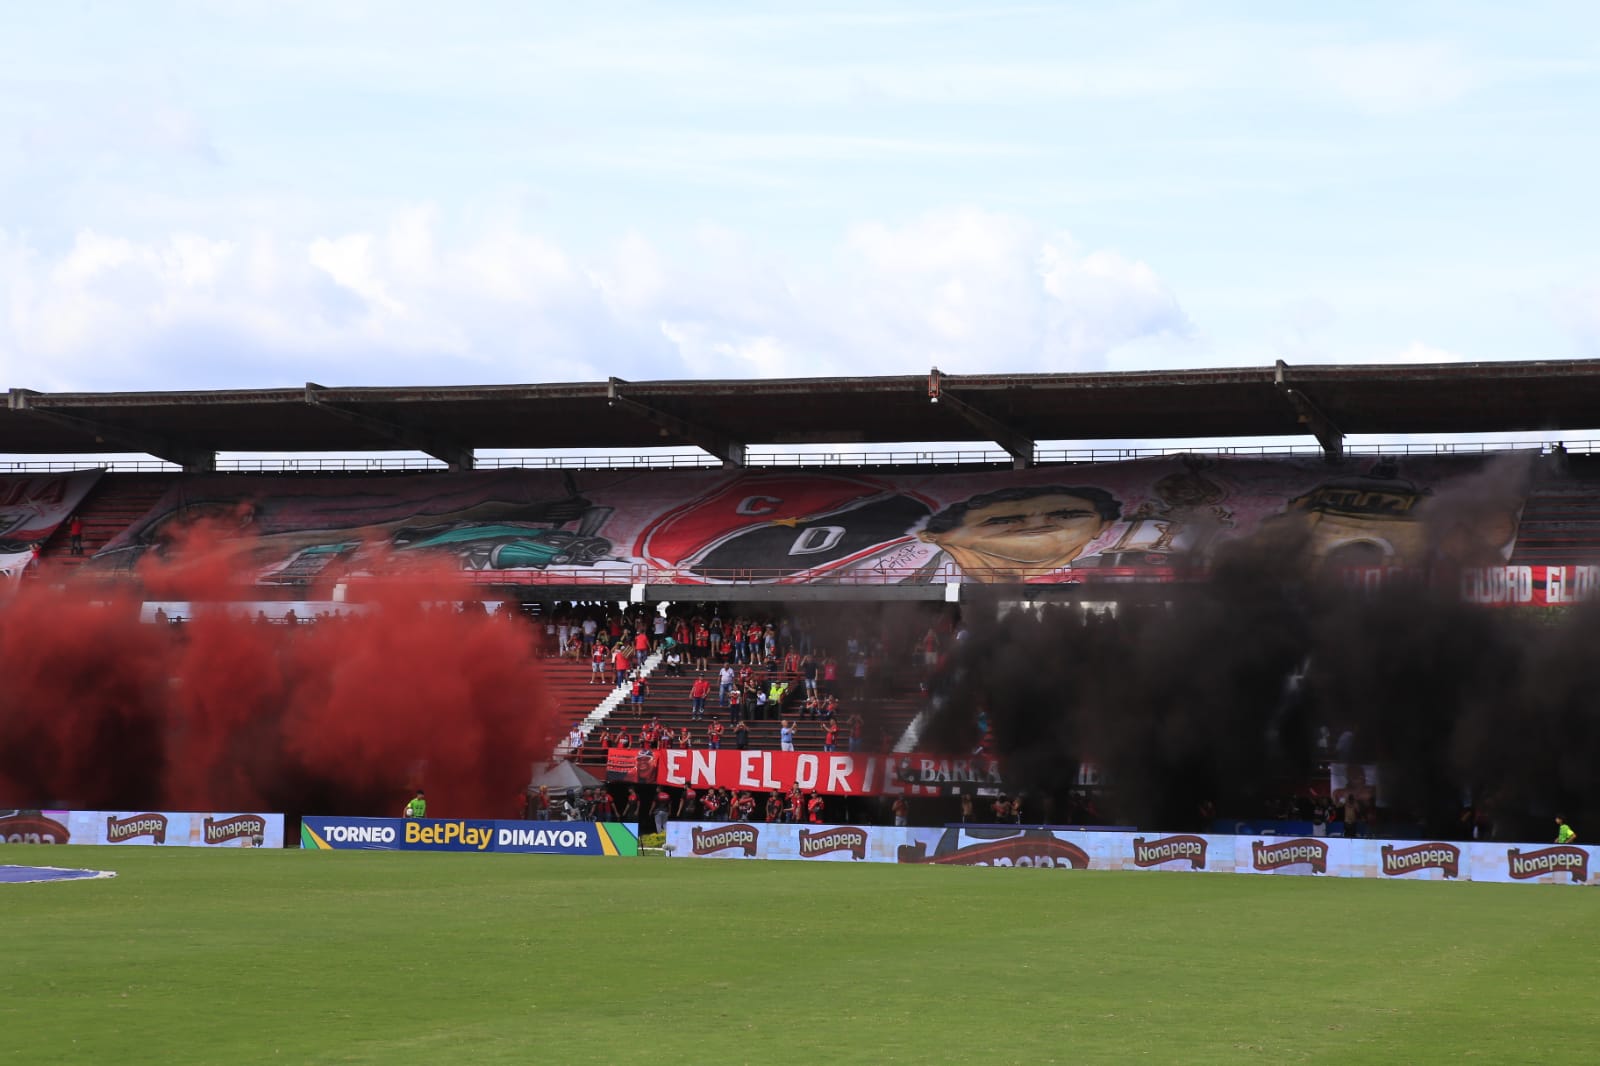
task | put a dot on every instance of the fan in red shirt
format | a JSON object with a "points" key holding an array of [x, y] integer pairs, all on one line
{"points": [[714, 735], [814, 809], [697, 695], [830, 734], [797, 805], [702, 646]]}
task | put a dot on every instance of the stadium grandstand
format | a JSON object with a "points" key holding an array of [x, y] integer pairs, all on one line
{"points": [[762, 587]]}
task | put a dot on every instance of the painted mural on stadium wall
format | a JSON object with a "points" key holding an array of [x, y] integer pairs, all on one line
{"points": [[32, 508], [1161, 518]]}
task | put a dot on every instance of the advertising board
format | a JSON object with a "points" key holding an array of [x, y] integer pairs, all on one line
{"points": [[211, 829], [1414, 860], [325, 833]]}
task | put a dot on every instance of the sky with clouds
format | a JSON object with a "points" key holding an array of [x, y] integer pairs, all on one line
{"points": [[237, 194]]}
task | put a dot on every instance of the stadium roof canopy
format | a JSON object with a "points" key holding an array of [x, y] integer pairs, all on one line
{"points": [[723, 417]]}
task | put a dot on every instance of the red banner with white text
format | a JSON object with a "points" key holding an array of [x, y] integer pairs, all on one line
{"points": [[1525, 585], [828, 773], [1530, 586]]}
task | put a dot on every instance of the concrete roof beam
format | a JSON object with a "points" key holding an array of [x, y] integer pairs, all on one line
{"points": [[707, 438], [109, 437], [400, 434]]}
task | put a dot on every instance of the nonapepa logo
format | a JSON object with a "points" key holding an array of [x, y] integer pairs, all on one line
{"points": [[1029, 848], [122, 830], [1280, 855], [1434, 855], [725, 837], [843, 838], [1563, 858], [32, 827], [245, 826], [1191, 849]]}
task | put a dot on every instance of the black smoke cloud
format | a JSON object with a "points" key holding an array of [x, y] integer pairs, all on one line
{"points": [[1220, 691]]}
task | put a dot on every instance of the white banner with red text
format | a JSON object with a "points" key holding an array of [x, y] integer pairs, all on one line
{"points": [[1431, 860], [827, 773], [173, 828]]}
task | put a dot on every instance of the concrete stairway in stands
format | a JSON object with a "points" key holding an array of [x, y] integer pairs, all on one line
{"points": [[884, 717], [114, 503], [1560, 523], [571, 693], [597, 716]]}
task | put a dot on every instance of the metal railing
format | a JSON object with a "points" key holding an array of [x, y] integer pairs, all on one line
{"points": [[761, 459]]}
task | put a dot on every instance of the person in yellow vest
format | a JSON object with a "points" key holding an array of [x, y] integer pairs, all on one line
{"points": [[418, 807], [1564, 833]]}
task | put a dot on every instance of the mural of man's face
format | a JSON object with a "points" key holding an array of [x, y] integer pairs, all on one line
{"points": [[1042, 533]]}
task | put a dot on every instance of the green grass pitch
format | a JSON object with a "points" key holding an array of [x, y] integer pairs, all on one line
{"points": [[236, 957]]}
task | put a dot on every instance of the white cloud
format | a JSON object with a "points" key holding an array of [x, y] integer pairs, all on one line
{"points": [[1578, 309], [1419, 352], [348, 261], [974, 291], [1302, 335], [1393, 75], [137, 122], [965, 289]]}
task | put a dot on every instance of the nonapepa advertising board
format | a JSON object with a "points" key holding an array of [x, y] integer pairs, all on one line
{"points": [[1045, 848], [238, 829]]}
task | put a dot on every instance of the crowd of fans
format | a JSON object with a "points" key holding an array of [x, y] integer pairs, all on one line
{"points": [[747, 670], [656, 805]]}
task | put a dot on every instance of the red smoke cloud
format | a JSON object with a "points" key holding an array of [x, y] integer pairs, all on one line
{"points": [[344, 716]]}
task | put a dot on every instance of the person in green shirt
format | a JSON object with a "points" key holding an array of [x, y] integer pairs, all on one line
{"points": [[418, 807], [1564, 833]]}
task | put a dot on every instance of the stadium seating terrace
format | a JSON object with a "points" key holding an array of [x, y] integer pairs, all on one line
{"points": [[811, 545]]}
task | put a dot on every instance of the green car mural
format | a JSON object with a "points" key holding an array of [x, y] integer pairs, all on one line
{"points": [[506, 547], [307, 564]]}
